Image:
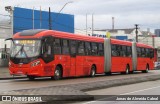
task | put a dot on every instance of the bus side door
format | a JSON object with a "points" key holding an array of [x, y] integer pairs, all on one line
{"points": [[47, 55]]}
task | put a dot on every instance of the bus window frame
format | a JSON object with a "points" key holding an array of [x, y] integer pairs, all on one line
{"points": [[93, 51], [60, 46], [64, 52], [89, 51], [70, 46], [83, 54]]}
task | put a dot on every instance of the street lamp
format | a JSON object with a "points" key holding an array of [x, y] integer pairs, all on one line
{"points": [[10, 10], [50, 21], [62, 9]]}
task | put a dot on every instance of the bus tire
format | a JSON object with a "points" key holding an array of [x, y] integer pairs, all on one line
{"points": [[147, 69], [93, 71], [58, 73], [31, 77]]}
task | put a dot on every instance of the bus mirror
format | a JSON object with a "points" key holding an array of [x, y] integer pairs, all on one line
{"points": [[9, 39]]}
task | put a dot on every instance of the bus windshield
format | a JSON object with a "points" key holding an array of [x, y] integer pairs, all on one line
{"points": [[25, 48]]}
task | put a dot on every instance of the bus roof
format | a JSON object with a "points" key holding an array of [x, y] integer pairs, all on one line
{"points": [[143, 45], [39, 33], [28, 34], [121, 42]]}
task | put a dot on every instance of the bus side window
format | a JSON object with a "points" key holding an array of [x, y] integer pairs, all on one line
{"points": [[143, 52], [138, 52], [73, 47], [118, 49], [129, 51], [100, 49], [147, 52], [47, 49], [81, 48], [114, 50], [124, 50], [57, 46], [87, 48], [94, 48], [65, 47], [151, 53]]}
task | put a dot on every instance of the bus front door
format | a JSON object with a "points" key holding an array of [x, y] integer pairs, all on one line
{"points": [[47, 55]]}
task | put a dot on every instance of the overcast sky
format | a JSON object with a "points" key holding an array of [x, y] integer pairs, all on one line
{"points": [[146, 13]]}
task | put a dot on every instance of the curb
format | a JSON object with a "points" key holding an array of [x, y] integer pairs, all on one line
{"points": [[8, 78]]}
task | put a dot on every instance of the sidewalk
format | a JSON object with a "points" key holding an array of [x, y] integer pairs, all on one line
{"points": [[4, 74]]}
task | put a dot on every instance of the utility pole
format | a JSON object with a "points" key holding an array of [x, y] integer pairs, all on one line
{"points": [[33, 19], [50, 21], [40, 18], [11, 11], [92, 25], [86, 25], [136, 32], [61, 10], [112, 23]]}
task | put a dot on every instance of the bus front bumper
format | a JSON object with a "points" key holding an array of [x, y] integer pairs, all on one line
{"points": [[26, 71]]}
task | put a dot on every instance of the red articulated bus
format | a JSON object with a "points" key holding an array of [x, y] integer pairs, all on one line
{"points": [[55, 54]]}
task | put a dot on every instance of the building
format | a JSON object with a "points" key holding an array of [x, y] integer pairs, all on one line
{"points": [[122, 34], [5, 29], [157, 32], [5, 32], [24, 19]]}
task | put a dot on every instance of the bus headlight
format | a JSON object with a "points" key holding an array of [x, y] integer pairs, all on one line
{"points": [[35, 63]]}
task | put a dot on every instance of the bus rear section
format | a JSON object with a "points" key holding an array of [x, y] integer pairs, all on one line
{"points": [[145, 57], [121, 56]]}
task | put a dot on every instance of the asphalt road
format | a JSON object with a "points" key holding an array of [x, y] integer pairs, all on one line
{"points": [[139, 90], [17, 84]]}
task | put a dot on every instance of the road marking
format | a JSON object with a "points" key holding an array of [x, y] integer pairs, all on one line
{"points": [[123, 94], [140, 90]]}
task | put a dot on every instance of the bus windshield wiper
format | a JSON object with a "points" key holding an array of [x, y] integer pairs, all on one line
{"points": [[24, 52], [21, 50]]}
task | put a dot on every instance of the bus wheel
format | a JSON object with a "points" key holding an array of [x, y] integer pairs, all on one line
{"points": [[146, 71], [58, 73], [31, 77], [93, 71]]}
